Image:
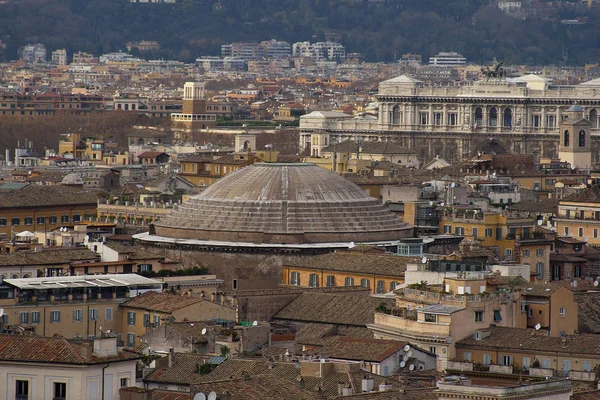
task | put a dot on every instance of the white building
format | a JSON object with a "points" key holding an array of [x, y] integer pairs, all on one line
{"points": [[33, 53], [319, 51], [447, 59], [59, 57], [35, 367]]}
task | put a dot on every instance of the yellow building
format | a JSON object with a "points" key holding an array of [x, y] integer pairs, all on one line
{"points": [[44, 208], [579, 216], [366, 266], [541, 355], [70, 306], [495, 230]]}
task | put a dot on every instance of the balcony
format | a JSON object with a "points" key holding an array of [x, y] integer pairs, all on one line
{"points": [[412, 328], [450, 299]]}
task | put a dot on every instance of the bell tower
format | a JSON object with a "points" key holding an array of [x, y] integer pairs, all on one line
{"points": [[575, 145]]}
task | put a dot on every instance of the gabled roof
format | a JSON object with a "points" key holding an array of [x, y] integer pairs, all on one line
{"points": [[332, 309], [46, 196], [326, 114], [593, 82], [403, 79], [152, 154], [38, 349], [529, 339], [163, 302], [384, 264]]}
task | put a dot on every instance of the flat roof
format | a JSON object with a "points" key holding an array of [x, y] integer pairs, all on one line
{"points": [[439, 309], [62, 282]]}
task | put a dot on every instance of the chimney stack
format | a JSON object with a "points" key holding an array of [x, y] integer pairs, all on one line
{"points": [[171, 357]]}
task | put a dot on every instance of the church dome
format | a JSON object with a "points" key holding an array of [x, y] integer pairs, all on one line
{"points": [[72, 180], [279, 203], [575, 108]]}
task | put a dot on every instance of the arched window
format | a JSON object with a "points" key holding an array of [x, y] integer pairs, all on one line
{"points": [[396, 116], [582, 138], [566, 139], [478, 116], [493, 117], [594, 118], [508, 117], [118, 106]]}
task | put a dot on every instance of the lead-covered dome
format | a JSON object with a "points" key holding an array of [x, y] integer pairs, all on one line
{"points": [[283, 204]]}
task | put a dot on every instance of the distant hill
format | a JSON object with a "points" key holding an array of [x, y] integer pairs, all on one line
{"points": [[382, 30]]}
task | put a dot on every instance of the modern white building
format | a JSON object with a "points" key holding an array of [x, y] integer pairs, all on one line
{"points": [[319, 51], [59, 57], [447, 59]]}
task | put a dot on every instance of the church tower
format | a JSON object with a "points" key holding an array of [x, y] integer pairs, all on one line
{"points": [[193, 116], [575, 145]]}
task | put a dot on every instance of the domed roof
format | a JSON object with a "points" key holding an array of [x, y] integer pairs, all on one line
{"points": [[575, 108], [72, 179], [283, 204]]}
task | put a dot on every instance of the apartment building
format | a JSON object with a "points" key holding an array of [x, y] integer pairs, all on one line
{"points": [[26, 105], [70, 306], [574, 356], [579, 216], [497, 230], [44, 208], [366, 266]]}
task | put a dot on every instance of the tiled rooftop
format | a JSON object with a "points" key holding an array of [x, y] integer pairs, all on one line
{"points": [[332, 309], [17, 348], [161, 302]]}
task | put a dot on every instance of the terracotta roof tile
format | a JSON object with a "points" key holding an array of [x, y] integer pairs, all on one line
{"points": [[19, 348], [530, 339], [385, 264], [332, 309], [161, 302]]}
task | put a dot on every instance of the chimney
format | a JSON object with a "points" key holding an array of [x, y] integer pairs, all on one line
{"points": [[171, 357], [385, 386], [226, 396], [347, 390], [367, 383], [86, 350], [105, 346]]}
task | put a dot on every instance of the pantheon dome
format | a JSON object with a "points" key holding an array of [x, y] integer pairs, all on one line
{"points": [[280, 204]]}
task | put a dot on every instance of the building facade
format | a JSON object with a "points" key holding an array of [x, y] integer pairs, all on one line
{"points": [[519, 115]]}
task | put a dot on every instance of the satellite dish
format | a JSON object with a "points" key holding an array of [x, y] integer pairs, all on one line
{"points": [[409, 354], [212, 396], [406, 348], [540, 222], [404, 357], [255, 323], [431, 203], [411, 367], [1, 312], [442, 204], [538, 326], [424, 260], [200, 396], [402, 364], [596, 283], [453, 185], [204, 331]]}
